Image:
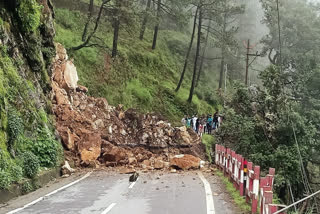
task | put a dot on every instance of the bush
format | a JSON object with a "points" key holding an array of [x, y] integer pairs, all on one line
{"points": [[15, 125], [27, 187], [29, 12], [46, 148], [5, 179], [16, 172], [31, 164]]}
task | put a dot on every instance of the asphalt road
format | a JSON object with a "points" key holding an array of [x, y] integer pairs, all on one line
{"points": [[153, 193]]}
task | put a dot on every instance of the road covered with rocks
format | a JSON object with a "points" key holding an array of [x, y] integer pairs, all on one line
{"points": [[157, 193]]}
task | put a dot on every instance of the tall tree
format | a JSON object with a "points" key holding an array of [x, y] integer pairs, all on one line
{"points": [[116, 27], [89, 19], [156, 28], [188, 51], [203, 54], [195, 68], [87, 41], [145, 20]]}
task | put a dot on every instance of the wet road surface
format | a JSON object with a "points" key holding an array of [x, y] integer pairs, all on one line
{"points": [[156, 193]]}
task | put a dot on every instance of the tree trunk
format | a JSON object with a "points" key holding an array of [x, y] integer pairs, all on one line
{"points": [[203, 54], [197, 55], [221, 69], [189, 50], [145, 20], [223, 49], [86, 42], [115, 37], [156, 28], [85, 30], [116, 28]]}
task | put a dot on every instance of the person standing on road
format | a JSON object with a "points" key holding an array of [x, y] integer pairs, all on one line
{"points": [[215, 120], [188, 122], [197, 125], [209, 124], [194, 122]]}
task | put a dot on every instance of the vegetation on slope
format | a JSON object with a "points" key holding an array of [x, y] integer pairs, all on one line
{"points": [[27, 142], [140, 77]]}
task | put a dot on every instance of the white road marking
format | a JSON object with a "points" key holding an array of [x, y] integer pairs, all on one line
{"points": [[132, 184], [49, 194], [109, 208], [210, 204]]}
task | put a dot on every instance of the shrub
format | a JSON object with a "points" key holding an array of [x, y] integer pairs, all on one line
{"points": [[16, 172], [31, 164], [3, 161], [15, 125], [27, 187], [5, 179], [46, 148]]}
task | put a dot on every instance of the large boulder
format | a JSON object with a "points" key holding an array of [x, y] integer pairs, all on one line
{"points": [[89, 146], [70, 76], [185, 162]]}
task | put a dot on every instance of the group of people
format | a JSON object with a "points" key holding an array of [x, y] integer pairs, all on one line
{"points": [[204, 124]]}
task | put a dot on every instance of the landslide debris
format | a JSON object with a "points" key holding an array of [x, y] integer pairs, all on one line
{"points": [[94, 132]]}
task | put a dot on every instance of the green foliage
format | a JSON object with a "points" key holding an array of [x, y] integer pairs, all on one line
{"points": [[27, 187], [260, 124], [29, 12], [46, 148], [15, 125], [5, 179], [31, 164], [239, 200], [139, 78], [16, 172]]}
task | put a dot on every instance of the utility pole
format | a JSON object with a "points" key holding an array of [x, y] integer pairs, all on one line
{"points": [[248, 47], [247, 62]]}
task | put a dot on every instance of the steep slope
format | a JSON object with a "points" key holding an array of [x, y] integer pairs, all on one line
{"points": [[27, 139], [139, 78], [92, 130]]}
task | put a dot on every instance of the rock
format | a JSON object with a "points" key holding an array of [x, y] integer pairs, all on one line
{"points": [[147, 162], [115, 154], [61, 52], [127, 171], [158, 164], [132, 160], [71, 76], [134, 177], [66, 169], [83, 89], [90, 147], [185, 162], [173, 170]]}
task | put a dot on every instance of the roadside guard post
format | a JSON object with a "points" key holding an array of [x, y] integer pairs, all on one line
{"points": [[246, 179]]}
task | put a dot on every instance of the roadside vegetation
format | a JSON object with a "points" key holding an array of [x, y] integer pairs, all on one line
{"points": [[27, 143]]}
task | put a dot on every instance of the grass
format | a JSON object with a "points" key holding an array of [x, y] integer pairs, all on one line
{"points": [[237, 198], [139, 78]]}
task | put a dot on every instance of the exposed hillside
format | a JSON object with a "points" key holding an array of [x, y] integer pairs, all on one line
{"points": [[27, 139], [140, 77]]}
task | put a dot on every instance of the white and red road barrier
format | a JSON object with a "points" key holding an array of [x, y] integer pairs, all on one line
{"points": [[246, 179]]}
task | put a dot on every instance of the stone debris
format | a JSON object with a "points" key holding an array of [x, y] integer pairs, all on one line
{"points": [[66, 169], [93, 132], [134, 177]]}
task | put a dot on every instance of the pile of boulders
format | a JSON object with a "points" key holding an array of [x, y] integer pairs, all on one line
{"points": [[93, 132]]}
